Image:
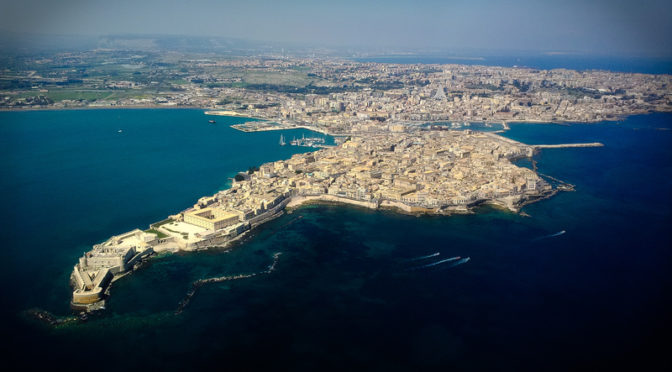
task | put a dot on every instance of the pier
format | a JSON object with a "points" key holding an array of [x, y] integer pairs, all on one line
{"points": [[259, 126], [566, 145]]}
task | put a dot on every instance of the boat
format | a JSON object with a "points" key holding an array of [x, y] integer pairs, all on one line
{"points": [[211, 121], [119, 131], [282, 140]]}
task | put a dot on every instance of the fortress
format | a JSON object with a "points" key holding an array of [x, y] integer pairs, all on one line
{"points": [[97, 268]]}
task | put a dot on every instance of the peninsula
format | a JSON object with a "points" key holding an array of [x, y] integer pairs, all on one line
{"points": [[418, 171], [386, 156]]}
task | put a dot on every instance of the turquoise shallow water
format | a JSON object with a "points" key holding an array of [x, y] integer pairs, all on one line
{"points": [[342, 294]]}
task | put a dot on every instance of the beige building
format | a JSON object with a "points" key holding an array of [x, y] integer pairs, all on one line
{"points": [[211, 218]]}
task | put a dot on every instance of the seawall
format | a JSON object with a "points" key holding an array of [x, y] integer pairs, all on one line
{"points": [[297, 201]]}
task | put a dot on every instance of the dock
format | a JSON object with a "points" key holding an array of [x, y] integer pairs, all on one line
{"points": [[316, 142], [224, 113], [259, 126]]}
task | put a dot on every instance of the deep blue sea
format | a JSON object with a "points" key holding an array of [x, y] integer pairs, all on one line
{"points": [[347, 292], [541, 61]]}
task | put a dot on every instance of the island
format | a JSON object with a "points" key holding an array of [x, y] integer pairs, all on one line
{"points": [[414, 170], [393, 125]]}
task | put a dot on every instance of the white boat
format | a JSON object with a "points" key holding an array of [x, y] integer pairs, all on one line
{"points": [[282, 140]]}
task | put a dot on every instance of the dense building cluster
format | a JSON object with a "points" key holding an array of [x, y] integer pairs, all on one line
{"points": [[430, 169], [332, 94], [437, 172]]}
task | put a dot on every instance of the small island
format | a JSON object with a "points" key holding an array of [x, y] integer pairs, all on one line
{"points": [[410, 170]]}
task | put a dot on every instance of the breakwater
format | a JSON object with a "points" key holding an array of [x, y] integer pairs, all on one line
{"points": [[569, 145], [196, 285]]}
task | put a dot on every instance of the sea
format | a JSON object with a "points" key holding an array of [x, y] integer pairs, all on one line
{"points": [[579, 281], [645, 65]]}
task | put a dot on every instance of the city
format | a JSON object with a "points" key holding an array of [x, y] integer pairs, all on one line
{"points": [[379, 185], [331, 94], [422, 172]]}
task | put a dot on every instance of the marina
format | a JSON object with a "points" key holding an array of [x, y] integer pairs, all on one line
{"points": [[315, 142], [263, 126]]}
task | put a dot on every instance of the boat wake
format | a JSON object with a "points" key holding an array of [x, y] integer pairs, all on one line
{"points": [[425, 257], [549, 236], [200, 282], [460, 262], [438, 263]]}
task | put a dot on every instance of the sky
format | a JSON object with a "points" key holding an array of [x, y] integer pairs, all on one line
{"points": [[609, 27]]}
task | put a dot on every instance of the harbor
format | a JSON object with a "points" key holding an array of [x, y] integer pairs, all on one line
{"points": [[264, 126]]}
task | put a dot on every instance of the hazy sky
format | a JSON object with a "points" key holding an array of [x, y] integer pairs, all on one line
{"points": [[600, 26]]}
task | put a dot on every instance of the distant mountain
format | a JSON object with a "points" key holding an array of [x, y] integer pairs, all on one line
{"points": [[13, 42], [24, 42], [192, 44]]}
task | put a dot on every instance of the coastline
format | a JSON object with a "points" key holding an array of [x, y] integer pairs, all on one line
{"points": [[215, 112], [198, 238], [82, 108], [289, 205]]}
